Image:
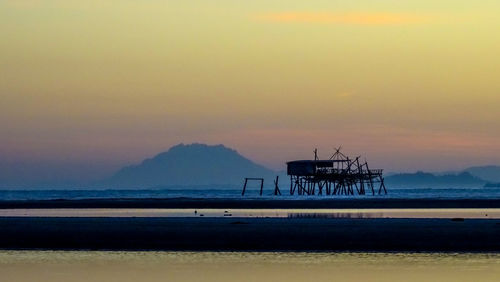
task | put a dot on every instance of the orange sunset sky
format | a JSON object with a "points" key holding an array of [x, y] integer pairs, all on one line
{"points": [[410, 85]]}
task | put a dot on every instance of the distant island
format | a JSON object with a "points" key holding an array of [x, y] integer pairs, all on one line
{"points": [[429, 180], [489, 173], [478, 176], [190, 165]]}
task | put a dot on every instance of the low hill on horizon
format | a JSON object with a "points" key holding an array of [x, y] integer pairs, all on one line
{"points": [[490, 173], [429, 180], [190, 165]]}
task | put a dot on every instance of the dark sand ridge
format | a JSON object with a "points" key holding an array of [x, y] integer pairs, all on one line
{"points": [[253, 203], [259, 234]]}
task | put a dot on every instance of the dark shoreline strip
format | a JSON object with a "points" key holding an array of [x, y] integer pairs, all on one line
{"points": [[250, 234], [252, 204]]}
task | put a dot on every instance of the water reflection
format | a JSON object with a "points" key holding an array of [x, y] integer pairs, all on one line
{"points": [[243, 266], [337, 215], [283, 213]]}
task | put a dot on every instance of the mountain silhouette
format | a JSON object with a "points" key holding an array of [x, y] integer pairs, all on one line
{"points": [[489, 173], [190, 165]]}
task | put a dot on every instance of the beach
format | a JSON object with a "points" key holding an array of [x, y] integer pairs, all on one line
{"points": [[250, 234], [141, 224]]}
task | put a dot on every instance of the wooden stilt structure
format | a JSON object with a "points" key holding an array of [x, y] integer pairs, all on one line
{"points": [[339, 175], [252, 178]]}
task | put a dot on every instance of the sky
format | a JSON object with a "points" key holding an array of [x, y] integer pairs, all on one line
{"points": [[89, 86]]}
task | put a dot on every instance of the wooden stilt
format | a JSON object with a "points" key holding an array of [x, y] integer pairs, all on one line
{"points": [[276, 188], [261, 186], [246, 182], [244, 187]]}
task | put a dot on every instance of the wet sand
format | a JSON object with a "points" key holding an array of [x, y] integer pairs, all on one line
{"points": [[466, 213], [220, 203], [253, 234]]}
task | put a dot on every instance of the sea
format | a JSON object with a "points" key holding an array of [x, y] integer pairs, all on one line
{"points": [[186, 192]]}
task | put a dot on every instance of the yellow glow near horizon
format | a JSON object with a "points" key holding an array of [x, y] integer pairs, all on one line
{"points": [[376, 18], [410, 85]]}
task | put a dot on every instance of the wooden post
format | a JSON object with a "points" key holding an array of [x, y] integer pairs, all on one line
{"points": [[276, 188], [250, 178], [261, 185], [370, 178], [382, 185], [244, 187]]}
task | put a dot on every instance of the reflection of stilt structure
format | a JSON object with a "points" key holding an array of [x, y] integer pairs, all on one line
{"points": [[339, 175]]}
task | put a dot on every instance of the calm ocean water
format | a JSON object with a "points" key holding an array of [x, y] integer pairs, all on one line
{"points": [[78, 266], [431, 193]]}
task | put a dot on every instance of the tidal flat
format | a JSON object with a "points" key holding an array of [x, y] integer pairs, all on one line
{"points": [[251, 234]]}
